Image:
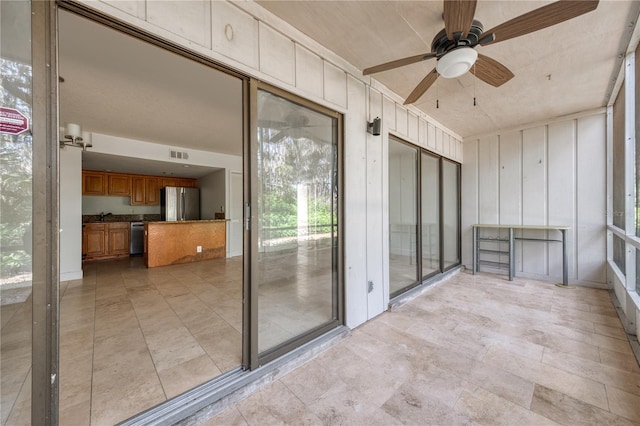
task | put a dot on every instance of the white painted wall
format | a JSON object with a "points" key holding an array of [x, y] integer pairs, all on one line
{"points": [[548, 174], [94, 204], [269, 49], [213, 188], [70, 214]]}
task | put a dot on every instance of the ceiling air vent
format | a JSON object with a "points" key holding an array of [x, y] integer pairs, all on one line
{"points": [[180, 155]]}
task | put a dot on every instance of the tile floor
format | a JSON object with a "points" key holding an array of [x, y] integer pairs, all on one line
{"points": [[473, 350], [132, 337]]}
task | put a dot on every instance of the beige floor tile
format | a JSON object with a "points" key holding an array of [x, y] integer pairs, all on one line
{"points": [[172, 347], [569, 411], [187, 375], [410, 408], [347, 406], [611, 343], [484, 407], [621, 361], [229, 417], [275, 404], [502, 383], [311, 381], [617, 332], [624, 404], [551, 376], [115, 399], [78, 414], [625, 380]]}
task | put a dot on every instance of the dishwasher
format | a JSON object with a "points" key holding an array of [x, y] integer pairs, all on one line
{"points": [[136, 245]]}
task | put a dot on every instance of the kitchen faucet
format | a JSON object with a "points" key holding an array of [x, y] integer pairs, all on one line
{"points": [[102, 215]]}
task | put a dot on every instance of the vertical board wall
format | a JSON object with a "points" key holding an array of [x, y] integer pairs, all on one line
{"points": [[247, 38], [552, 174]]}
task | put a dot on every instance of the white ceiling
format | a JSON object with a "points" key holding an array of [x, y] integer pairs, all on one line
{"points": [[560, 70], [117, 85]]}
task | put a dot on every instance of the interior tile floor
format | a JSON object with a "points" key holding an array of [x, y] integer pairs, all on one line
{"points": [[132, 337], [472, 350]]}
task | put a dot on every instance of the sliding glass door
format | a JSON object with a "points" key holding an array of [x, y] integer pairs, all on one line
{"points": [[450, 214], [430, 206], [296, 239], [403, 216], [424, 215]]}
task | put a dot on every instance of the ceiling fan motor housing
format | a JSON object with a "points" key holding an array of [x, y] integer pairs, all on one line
{"points": [[442, 45]]}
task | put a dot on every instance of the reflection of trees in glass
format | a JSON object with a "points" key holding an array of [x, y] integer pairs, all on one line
{"points": [[288, 162], [15, 174]]}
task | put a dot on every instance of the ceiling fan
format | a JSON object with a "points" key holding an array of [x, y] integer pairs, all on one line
{"points": [[454, 46]]}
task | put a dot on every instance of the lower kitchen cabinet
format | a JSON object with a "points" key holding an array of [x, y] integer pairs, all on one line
{"points": [[105, 240]]}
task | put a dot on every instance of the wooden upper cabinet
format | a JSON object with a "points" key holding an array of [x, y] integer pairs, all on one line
{"points": [[137, 191], [94, 183], [187, 182], [152, 191], [145, 191], [119, 185], [164, 182]]}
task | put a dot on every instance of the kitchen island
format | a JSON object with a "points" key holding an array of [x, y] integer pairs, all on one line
{"points": [[170, 243]]}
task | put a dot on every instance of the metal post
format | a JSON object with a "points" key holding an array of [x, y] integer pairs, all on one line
{"points": [[565, 267], [474, 260], [512, 255]]}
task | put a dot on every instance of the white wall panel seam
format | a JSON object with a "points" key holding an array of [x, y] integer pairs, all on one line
{"points": [[576, 253]]}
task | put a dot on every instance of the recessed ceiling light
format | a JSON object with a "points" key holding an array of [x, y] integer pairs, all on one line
{"points": [[186, 166]]}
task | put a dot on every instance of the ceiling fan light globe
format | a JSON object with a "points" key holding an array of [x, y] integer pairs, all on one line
{"points": [[456, 62]]}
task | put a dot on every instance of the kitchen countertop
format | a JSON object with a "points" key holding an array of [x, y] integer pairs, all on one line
{"points": [[179, 222], [95, 218]]}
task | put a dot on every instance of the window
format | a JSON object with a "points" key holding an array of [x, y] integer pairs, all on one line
{"points": [[618, 160]]}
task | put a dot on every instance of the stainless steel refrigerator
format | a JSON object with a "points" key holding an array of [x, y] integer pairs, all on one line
{"points": [[178, 203]]}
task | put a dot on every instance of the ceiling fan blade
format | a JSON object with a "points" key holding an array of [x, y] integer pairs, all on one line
{"points": [[398, 63], [422, 87], [277, 138], [491, 71], [540, 18], [458, 16]]}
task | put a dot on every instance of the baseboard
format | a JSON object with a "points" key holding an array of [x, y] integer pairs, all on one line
{"points": [[70, 276]]}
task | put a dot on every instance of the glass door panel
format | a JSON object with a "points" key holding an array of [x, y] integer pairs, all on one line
{"points": [[403, 216], [430, 205], [451, 213], [297, 221], [15, 213]]}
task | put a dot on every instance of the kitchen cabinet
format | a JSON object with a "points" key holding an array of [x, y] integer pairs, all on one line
{"points": [[94, 240], [119, 185], [118, 238], [145, 191], [94, 183], [105, 240], [186, 182]]}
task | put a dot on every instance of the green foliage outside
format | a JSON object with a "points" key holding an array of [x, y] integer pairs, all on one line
{"points": [[15, 175]]}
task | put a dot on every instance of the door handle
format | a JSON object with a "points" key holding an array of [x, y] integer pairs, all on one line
{"points": [[247, 217]]}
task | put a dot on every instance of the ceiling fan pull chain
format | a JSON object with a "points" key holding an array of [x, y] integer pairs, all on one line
{"points": [[437, 94], [475, 82]]}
